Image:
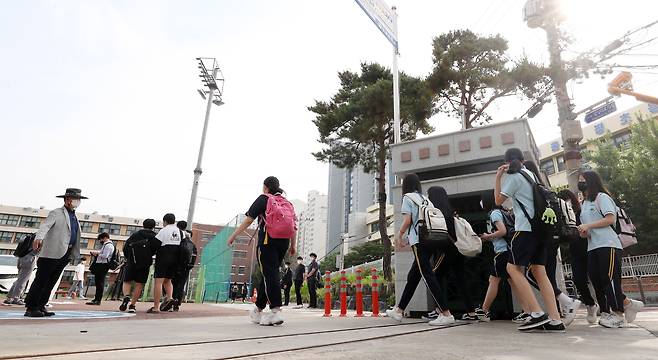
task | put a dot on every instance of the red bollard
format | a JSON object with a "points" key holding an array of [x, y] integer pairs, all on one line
{"points": [[343, 294], [375, 294], [327, 294], [359, 294]]}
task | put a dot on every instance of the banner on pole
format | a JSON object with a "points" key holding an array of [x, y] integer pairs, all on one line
{"points": [[383, 17]]}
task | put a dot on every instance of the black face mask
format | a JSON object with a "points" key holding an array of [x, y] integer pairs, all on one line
{"points": [[582, 186]]}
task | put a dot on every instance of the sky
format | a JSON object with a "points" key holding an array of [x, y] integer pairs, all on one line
{"points": [[103, 95]]}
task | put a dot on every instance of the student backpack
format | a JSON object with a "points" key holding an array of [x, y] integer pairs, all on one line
{"points": [[115, 260], [468, 242], [139, 253], [508, 220], [280, 217], [431, 225], [25, 246], [188, 253], [546, 204], [623, 226]]}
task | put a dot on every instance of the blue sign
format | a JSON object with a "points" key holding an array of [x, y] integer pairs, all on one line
{"points": [[653, 108], [625, 119], [555, 146], [599, 129], [601, 111]]}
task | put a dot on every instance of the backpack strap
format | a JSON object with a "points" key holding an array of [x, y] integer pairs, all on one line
{"points": [[598, 207], [425, 202]]}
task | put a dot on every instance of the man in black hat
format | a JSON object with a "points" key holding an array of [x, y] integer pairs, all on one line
{"points": [[58, 242]]}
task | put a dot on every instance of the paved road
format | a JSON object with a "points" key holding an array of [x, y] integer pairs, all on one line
{"points": [[307, 335]]}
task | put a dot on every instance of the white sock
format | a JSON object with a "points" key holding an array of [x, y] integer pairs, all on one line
{"points": [[556, 322], [537, 314], [564, 300]]}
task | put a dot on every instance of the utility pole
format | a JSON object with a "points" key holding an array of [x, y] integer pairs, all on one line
{"points": [[213, 95], [546, 14]]}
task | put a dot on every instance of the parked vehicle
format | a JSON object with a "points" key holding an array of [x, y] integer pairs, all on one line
{"points": [[8, 272]]}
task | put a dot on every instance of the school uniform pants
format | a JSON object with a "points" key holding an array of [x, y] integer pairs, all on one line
{"points": [[48, 273], [270, 255], [312, 283], [25, 267], [298, 291], [578, 251], [99, 278], [450, 259], [604, 268], [422, 269], [551, 247], [179, 282]]}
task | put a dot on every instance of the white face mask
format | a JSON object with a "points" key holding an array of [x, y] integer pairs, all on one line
{"points": [[299, 262], [75, 203]]}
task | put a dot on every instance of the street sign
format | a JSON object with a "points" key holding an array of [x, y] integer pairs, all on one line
{"points": [[382, 16], [601, 111]]}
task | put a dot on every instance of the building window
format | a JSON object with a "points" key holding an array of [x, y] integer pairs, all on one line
{"points": [[86, 226], [11, 220], [112, 229], [30, 222], [374, 227], [131, 230], [560, 164], [241, 270], [548, 167], [622, 140], [6, 236], [240, 254], [84, 243], [233, 269]]}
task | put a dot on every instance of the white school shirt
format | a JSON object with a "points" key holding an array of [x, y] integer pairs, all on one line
{"points": [[79, 272], [169, 235]]}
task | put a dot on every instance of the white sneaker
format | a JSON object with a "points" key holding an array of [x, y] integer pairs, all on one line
{"points": [[570, 312], [611, 321], [276, 318], [592, 311], [394, 314], [443, 320], [631, 310], [266, 320], [255, 314]]}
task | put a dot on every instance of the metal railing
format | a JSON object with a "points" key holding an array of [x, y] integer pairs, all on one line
{"points": [[639, 266], [377, 264]]}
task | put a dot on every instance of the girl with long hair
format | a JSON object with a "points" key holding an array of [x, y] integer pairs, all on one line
{"points": [[422, 265]]}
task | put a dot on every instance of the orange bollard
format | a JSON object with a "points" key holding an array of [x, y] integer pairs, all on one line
{"points": [[327, 294], [359, 294], [375, 293], [343, 294]]}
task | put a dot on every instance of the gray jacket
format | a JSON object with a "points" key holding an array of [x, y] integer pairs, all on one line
{"points": [[55, 232]]}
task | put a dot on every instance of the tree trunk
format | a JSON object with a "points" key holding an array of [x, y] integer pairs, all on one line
{"points": [[383, 225]]}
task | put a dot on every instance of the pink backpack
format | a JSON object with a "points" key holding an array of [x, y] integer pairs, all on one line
{"points": [[623, 226], [280, 217]]}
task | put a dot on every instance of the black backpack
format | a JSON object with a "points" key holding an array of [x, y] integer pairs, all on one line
{"points": [[187, 253], [139, 253], [508, 220], [25, 246], [115, 260], [547, 208]]}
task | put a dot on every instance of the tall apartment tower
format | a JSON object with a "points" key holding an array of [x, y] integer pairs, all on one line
{"points": [[312, 233]]}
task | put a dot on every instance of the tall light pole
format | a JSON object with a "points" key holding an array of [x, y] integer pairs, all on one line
{"points": [[212, 79], [546, 14]]}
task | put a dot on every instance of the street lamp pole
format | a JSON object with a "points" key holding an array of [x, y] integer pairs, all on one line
{"points": [[214, 96]]}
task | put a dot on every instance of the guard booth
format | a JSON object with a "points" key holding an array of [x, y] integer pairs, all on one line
{"points": [[465, 164]]}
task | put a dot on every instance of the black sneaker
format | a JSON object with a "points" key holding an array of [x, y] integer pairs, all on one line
{"points": [[550, 328], [469, 317], [132, 309], [34, 313], [534, 322], [521, 318], [483, 315], [46, 313], [124, 303], [432, 315]]}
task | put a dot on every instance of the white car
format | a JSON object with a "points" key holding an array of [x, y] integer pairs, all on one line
{"points": [[8, 272]]}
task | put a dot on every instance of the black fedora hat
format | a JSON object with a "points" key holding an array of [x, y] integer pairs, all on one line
{"points": [[73, 193]]}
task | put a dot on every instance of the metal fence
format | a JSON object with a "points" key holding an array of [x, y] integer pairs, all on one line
{"points": [[377, 264], [631, 266]]}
